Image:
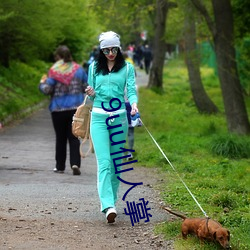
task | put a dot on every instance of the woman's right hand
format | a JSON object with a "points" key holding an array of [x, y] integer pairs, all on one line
{"points": [[90, 91]]}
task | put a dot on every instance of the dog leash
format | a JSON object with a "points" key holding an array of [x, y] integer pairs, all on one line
{"points": [[174, 169]]}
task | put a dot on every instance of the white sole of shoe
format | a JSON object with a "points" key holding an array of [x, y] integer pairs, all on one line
{"points": [[111, 215], [58, 171], [76, 170]]}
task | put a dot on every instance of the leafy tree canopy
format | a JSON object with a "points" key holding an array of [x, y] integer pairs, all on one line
{"points": [[33, 32]]}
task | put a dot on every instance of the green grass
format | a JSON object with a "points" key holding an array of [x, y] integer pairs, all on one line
{"points": [[19, 88], [214, 164]]}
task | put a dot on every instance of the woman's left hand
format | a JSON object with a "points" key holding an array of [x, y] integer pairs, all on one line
{"points": [[134, 109]]}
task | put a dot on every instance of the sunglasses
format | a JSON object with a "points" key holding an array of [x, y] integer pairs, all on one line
{"points": [[106, 51]]}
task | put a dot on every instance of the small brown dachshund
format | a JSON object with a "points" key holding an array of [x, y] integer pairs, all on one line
{"points": [[204, 229]]}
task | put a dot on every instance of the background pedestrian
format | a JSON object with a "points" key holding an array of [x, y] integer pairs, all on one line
{"points": [[65, 84]]}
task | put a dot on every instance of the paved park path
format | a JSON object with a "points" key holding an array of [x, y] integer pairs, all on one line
{"points": [[40, 209]]}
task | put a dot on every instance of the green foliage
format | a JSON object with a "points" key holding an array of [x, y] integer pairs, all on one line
{"points": [[219, 183], [175, 25], [231, 146], [128, 18], [29, 33], [19, 87], [241, 17], [243, 59], [169, 229], [224, 200], [175, 28]]}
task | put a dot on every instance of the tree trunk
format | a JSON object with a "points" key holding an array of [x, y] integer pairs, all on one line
{"points": [[201, 99], [235, 109], [159, 47]]}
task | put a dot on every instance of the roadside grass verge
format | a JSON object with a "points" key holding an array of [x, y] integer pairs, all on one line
{"points": [[214, 164], [19, 88]]}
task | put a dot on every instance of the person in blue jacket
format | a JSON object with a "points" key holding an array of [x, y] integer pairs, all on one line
{"points": [[65, 83], [108, 77]]}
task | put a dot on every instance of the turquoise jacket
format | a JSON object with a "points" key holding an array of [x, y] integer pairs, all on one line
{"points": [[113, 85]]}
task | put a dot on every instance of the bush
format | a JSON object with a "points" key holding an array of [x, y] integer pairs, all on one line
{"points": [[19, 88], [231, 146], [223, 200]]}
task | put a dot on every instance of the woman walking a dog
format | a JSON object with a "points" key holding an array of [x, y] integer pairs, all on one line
{"points": [[108, 78]]}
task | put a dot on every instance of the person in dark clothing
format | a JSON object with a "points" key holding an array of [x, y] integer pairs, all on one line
{"points": [[147, 54], [138, 56], [65, 83], [93, 55]]}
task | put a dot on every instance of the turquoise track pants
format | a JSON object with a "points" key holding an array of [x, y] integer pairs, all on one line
{"points": [[107, 182]]}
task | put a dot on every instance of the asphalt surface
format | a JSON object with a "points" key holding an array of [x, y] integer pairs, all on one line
{"points": [[31, 190]]}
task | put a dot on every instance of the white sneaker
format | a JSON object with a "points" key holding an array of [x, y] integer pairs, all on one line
{"points": [[58, 171], [111, 214], [129, 158], [76, 170]]}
